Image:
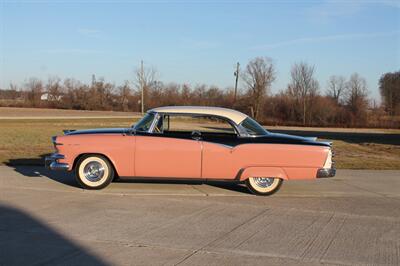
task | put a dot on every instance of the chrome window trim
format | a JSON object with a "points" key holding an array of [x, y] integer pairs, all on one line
{"points": [[240, 131], [158, 115], [154, 123], [133, 130]]}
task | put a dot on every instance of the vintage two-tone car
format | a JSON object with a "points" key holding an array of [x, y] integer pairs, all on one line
{"points": [[206, 143]]}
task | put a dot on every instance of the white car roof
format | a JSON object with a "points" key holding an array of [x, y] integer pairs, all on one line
{"points": [[233, 115]]}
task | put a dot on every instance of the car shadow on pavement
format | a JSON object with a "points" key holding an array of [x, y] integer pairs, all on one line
{"points": [[231, 186], [35, 168], [26, 240], [238, 187], [67, 178]]}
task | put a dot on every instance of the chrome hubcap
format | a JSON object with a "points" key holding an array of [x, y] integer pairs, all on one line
{"points": [[93, 171], [263, 181]]}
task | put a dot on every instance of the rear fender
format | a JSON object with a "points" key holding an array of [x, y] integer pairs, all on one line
{"points": [[257, 171]]}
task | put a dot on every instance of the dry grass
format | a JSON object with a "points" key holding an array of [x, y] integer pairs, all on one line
{"points": [[24, 141], [366, 155], [43, 113]]}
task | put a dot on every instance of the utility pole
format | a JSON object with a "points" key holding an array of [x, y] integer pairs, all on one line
{"points": [[236, 74], [93, 80], [141, 84]]}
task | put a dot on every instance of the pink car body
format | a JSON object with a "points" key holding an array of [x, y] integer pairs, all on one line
{"points": [[159, 155], [143, 156]]}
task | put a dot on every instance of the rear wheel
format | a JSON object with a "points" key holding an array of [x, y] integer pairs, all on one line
{"points": [[94, 172], [263, 185]]}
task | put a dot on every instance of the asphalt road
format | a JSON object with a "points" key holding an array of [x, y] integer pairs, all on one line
{"points": [[353, 218]]}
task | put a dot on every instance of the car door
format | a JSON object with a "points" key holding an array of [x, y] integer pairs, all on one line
{"points": [[219, 160], [169, 153]]}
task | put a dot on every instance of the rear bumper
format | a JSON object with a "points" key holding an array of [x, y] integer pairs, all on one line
{"points": [[51, 162], [326, 172]]}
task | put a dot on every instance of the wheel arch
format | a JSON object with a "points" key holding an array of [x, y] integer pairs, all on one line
{"points": [[262, 171]]}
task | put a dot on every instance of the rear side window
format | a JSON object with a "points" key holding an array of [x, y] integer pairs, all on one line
{"points": [[204, 124], [253, 128]]}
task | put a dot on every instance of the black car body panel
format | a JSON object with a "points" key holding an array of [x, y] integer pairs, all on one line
{"points": [[227, 139]]}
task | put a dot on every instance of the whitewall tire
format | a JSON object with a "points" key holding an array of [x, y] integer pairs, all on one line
{"points": [[263, 185], [94, 172]]}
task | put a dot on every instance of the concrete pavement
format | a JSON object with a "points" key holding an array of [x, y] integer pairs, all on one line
{"points": [[45, 218]]}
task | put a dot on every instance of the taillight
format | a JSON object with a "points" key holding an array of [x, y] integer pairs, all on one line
{"points": [[328, 161]]}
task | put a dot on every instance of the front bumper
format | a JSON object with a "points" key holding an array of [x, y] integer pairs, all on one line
{"points": [[51, 162], [326, 172]]}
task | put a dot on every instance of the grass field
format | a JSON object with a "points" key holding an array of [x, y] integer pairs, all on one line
{"points": [[25, 138], [41, 113]]}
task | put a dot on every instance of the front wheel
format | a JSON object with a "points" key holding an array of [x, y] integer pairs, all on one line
{"points": [[263, 185], [94, 172]]}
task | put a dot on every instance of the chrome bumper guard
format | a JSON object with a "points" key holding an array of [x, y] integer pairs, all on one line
{"points": [[326, 172], [51, 162]]}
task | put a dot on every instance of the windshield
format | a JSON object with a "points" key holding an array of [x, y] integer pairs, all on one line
{"points": [[144, 123], [253, 128]]}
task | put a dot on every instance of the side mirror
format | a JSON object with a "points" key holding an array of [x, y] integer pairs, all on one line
{"points": [[196, 135]]}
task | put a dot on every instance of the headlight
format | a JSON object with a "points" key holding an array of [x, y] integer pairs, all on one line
{"points": [[54, 140]]}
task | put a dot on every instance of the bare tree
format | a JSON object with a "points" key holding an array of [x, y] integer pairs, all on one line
{"points": [[357, 98], [389, 87], [303, 86], [100, 93], [35, 90], [54, 90], [75, 94], [299, 104], [145, 78], [336, 88], [185, 94], [13, 91], [124, 93], [258, 77]]}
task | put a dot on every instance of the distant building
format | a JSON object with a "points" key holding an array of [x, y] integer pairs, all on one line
{"points": [[48, 97]]}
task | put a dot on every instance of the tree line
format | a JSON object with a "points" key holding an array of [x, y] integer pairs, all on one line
{"points": [[340, 102]]}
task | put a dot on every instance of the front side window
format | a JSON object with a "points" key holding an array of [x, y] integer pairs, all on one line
{"points": [[144, 124], [253, 128]]}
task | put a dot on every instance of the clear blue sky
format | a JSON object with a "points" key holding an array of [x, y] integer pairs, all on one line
{"points": [[198, 42]]}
